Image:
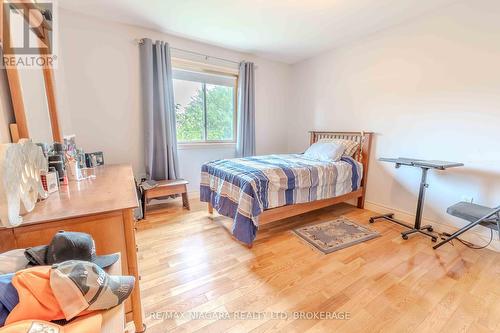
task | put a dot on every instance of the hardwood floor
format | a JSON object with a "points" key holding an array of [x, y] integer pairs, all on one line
{"points": [[189, 263]]}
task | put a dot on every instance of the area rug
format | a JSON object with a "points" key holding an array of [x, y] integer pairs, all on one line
{"points": [[335, 235]]}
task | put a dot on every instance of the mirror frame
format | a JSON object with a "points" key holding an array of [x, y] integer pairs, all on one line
{"points": [[19, 129]]}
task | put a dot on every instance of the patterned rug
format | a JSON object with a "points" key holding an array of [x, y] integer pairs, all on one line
{"points": [[334, 235]]}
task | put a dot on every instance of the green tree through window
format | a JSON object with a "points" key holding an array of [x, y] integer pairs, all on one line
{"points": [[209, 113]]}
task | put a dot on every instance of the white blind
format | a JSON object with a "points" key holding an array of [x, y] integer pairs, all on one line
{"points": [[221, 80]]}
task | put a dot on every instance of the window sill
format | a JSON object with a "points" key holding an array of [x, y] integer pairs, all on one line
{"points": [[206, 145]]}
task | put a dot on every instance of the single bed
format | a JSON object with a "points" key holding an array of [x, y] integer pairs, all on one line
{"points": [[260, 189]]}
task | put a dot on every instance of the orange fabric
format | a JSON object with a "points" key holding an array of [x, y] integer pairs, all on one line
{"points": [[88, 324], [36, 299]]}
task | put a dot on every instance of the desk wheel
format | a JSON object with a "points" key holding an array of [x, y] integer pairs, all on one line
{"points": [[428, 227]]}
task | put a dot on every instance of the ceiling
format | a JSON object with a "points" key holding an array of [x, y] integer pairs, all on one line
{"points": [[283, 30]]}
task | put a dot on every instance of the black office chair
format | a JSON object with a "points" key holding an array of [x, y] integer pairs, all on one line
{"points": [[476, 214]]}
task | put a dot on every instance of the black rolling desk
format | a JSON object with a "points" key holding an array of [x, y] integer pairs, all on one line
{"points": [[425, 165]]}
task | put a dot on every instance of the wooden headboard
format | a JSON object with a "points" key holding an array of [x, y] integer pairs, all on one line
{"points": [[363, 154]]}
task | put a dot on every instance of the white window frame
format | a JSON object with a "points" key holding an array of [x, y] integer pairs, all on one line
{"points": [[188, 65]]}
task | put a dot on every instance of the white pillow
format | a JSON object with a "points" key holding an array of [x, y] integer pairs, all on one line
{"points": [[325, 151], [351, 147]]}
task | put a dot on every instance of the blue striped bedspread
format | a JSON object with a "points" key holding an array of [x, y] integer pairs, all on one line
{"points": [[242, 188]]}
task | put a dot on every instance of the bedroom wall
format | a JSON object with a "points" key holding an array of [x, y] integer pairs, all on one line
{"points": [[98, 82], [428, 89]]}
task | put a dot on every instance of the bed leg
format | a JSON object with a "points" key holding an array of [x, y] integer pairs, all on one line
{"points": [[210, 209], [361, 202]]}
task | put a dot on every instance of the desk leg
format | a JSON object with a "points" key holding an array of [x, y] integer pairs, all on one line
{"points": [[417, 228], [425, 230], [128, 218], [421, 198]]}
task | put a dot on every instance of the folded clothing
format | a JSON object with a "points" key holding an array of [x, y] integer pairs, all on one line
{"points": [[66, 290], [87, 324], [8, 297], [3, 314], [36, 299], [13, 261]]}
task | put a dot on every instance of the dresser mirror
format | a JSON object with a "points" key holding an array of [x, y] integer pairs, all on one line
{"points": [[36, 108], [32, 87]]}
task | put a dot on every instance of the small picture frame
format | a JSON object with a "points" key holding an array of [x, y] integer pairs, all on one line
{"points": [[94, 159]]}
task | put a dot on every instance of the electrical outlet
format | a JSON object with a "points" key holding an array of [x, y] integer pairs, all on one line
{"points": [[467, 198]]}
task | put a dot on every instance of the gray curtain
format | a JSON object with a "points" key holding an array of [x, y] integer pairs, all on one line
{"points": [[245, 142], [159, 111]]}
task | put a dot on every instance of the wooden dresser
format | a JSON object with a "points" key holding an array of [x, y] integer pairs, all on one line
{"points": [[102, 207]]}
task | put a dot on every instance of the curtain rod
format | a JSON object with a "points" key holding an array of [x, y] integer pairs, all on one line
{"points": [[206, 56]]}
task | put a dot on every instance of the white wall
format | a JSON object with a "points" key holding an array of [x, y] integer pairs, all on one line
{"points": [[98, 82], [429, 89]]}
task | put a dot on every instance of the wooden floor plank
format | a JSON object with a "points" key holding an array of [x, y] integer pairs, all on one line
{"points": [[190, 263]]}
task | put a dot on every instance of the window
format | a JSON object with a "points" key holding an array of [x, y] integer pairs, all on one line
{"points": [[205, 106]]}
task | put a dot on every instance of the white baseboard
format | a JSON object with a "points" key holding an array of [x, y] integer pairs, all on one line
{"points": [[478, 235]]}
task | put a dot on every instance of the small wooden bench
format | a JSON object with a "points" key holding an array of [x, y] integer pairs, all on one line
{"points": [[166, 188]]}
